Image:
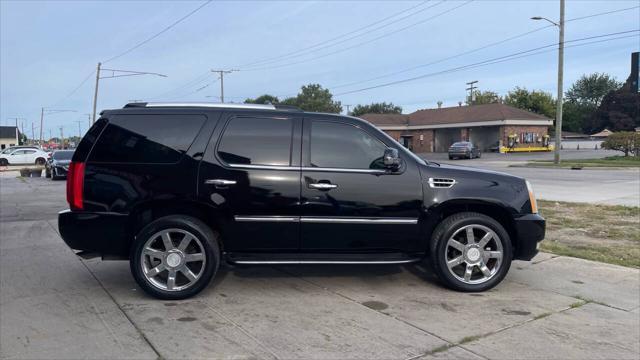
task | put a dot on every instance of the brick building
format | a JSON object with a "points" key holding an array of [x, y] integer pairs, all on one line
{"points": [[489, 126]]}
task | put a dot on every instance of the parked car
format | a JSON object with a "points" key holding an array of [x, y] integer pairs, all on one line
{"points": [[57, 164], [463, 149], [176, 189], [20, 155], [10, 149]]}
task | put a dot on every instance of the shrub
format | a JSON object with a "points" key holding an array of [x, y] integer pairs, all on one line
{"points": [[625, 141]]}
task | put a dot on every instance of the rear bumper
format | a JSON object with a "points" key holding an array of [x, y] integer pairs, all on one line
{"points": [[530, 230], [102, 233]]}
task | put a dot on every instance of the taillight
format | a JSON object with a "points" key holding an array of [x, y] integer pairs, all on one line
{"points": [[75, 185]]}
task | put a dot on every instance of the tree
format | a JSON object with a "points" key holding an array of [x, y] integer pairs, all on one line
{"points": [[22, 139], [313, 97], [263, 99], [376, 108], [589, 90], [539, 102], [618, 111], [625, 141], [484, 97]]}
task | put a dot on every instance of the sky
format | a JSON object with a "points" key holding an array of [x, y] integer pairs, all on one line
{"points": [[411, 53]]}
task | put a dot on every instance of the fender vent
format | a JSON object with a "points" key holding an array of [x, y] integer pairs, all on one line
{"points": [[441, 183]]}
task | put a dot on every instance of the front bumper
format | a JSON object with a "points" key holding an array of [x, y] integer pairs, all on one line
{"points": [[97, 232], [530, 230]]}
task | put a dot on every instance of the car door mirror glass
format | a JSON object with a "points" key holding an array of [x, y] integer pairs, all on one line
{"points": [[391, 159]]}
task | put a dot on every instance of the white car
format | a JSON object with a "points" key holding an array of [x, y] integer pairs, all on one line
{"points": [[23, 156]]}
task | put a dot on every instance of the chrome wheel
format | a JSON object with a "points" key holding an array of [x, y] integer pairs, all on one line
{"points": [[474, 254], [173, 260]]}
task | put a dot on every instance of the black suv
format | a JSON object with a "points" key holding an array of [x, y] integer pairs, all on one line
{"points": [[178, 188]]}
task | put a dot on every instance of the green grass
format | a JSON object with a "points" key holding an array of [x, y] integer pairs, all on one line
{"points": [[611, 161], [609, 234]]}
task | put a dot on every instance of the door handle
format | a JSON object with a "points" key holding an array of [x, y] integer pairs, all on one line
{"points": [[323, 186], [220, 182]]}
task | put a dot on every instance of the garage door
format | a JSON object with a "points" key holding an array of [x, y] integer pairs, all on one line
{"points": [[484, 137], [446, 137]]}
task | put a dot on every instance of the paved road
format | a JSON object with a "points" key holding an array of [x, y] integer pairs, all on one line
{"points": [[53, 305], [602, 186]]}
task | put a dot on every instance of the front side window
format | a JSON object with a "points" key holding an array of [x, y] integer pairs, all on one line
{"points": [[257, 141], [336, 145], [154, 139]]}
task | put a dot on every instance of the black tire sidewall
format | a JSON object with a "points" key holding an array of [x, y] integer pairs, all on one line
{"points": [[446, 229], [208, 239]]}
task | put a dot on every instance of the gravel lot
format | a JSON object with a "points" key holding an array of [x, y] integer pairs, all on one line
{"points": [[53, 305]]}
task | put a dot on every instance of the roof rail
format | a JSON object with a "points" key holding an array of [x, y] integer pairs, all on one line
{"points": [[213, 105]]}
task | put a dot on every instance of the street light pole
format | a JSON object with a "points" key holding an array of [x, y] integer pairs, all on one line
{"points": [[115, 73], [560, 25]]}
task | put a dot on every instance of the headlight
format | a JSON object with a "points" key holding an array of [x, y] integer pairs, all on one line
{"points": [[532, 198]]}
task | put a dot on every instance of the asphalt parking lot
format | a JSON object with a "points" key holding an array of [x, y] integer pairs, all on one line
{"points": [[54, 305]]}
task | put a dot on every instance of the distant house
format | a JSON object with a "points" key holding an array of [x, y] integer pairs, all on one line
{"points": [[9, 136], [602, 134], [490, 126]]}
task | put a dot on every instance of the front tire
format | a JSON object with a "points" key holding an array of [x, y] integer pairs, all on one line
{"points": [[175, 257], [4, 162], [470, 252]]}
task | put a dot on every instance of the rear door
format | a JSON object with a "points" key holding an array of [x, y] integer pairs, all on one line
{"points": [[251, 174]]}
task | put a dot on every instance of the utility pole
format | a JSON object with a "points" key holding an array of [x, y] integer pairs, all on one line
{"points": [[560, 25], [50, 136], [471, 88], [61, 138], [79, 130], [114, 74], [33, 133], [221, 73], [348, 106], [95, 92], [41, 122]]}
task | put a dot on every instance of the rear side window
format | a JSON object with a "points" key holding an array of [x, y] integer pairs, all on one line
{"points": [[336, 145], [157, 139], [257, 141]]}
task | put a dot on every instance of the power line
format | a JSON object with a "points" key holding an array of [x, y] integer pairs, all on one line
{"points": [[75, 89], [315, 48], [476, 49], [159, 33], [493, 60], [364, 42]]}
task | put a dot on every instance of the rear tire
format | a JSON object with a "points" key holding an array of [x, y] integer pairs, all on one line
{"points": [[40, 161], [175, 257], [472, 265]]}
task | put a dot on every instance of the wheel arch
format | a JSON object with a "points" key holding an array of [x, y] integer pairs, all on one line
{"points": [[494, 210], [144, 213]]}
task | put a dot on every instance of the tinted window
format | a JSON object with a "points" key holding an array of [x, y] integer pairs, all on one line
{"points": [[257, 141], [335, 145], [62, 155], [146, 138]]}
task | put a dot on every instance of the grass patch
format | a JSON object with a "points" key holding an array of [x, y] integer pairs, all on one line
{"points": [[440, 349], [468, 339], [611, 161], [577, 304], [604, 233], [542, 316]]}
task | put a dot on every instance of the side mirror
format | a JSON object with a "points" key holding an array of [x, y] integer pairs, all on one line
{"points": [[391, 159]]}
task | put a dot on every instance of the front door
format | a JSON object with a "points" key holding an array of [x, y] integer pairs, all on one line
{"points": [[350, 203], [251, 174]]}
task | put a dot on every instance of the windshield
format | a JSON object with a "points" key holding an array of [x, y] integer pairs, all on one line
{"points": [[63, 155]]}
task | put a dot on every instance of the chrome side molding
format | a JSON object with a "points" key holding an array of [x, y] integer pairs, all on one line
{"points": [[327, 220], [323, 262]]}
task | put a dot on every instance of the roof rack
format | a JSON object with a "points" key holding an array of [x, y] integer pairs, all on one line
{"points": [[214, 105]]}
